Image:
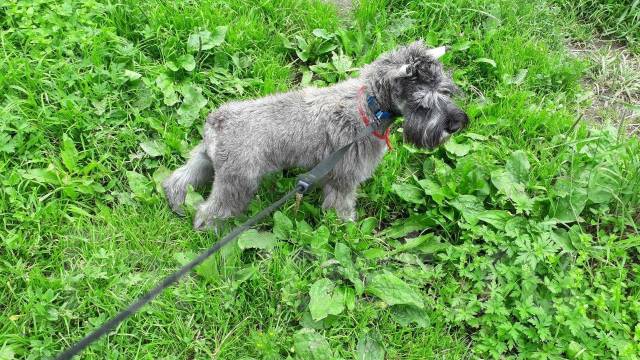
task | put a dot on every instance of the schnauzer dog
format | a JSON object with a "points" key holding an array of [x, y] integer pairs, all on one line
{"points": [[245, 140]]}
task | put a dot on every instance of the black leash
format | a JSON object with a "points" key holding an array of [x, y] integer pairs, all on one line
{"points": [[305, 182]]}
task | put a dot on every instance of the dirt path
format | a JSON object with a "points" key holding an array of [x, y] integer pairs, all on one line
{"points": [[613, 84], [344, 6]]}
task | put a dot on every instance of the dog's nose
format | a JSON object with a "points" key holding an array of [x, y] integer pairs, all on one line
{"points": [[457, 121]]}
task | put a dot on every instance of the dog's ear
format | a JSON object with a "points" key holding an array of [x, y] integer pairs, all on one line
{"points": [[438, 52], [401, 71]]}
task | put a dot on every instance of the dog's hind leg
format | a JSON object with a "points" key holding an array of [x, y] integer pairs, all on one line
{"points": [[198, 171]]}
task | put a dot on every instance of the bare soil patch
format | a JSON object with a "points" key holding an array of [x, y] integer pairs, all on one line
{"points": [[613, 84]]}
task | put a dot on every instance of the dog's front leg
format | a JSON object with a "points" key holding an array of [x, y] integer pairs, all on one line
{"points": [[230, 196], [341, 197]]}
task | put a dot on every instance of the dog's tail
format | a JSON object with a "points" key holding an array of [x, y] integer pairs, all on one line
{"points": [[198, 171]]}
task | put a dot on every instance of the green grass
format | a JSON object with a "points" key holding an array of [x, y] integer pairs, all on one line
{"points": [[518, 239], [611, 19]]}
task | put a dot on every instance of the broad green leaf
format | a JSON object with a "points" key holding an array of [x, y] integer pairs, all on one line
{"points": [[326, 47], [209, 269], [144, 97], [342, 63], [518, 165], [508, 184], [69, 154], [282, 226], [307, 322], [474, 136], [457, 149], [343, 255], [486, 61], [401, 25], [218, 35], [461, 46], [562, 240], [571, 200], [154, 148], [474, 182], [325, 299], [187, 62], [199, 41], [349, 297], [428, 168], [402, 227], [307, 76], [575, 350], [305, 232], [520, 76], [172, 66], [132, 75], [46, 176], [192, 199], [309, 345], [602, 186], [159, 175], [303, 55], [7, 352], [436, 170], [320, 238], [432, 246], [469, 206], [369, 348], [517, 79], [405, 315], [368, 225], [7, 144], [242, 275], [205, 40], [322, 33], [516, 226], [170, 97], [412, 243], [165, 85], [182, 258], [393, 290], [139, 184], [374, 253], [301, 42], [286, 42], [192, 102], [427, 243], [409, 193], [433, 189], [253, 239], [497, 218]]}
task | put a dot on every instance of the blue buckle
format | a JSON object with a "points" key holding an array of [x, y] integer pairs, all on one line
{"points": [[383, 115], [375, 109]]}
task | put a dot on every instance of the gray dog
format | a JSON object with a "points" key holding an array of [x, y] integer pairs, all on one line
{"points": [[245, 140]]}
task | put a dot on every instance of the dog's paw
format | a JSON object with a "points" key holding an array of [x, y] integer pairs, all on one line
{"points": [[347, 215], [205, 221], [175, 194]]}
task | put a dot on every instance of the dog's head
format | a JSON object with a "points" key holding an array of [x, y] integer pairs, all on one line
{"points": [[411, 81]]}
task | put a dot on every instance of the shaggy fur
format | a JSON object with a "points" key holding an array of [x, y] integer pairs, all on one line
{"points": [[245, 140]]}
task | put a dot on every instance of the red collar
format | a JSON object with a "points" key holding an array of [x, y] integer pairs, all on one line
{"points": [[365, 120]]}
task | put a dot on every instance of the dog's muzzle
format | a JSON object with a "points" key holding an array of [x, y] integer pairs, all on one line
{"points": [[456, 120]]}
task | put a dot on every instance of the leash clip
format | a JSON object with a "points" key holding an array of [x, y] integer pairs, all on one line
{"points": [[304, 184]]}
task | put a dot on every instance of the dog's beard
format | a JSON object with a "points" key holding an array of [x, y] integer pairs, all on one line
{"points": [[424, 129]]}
